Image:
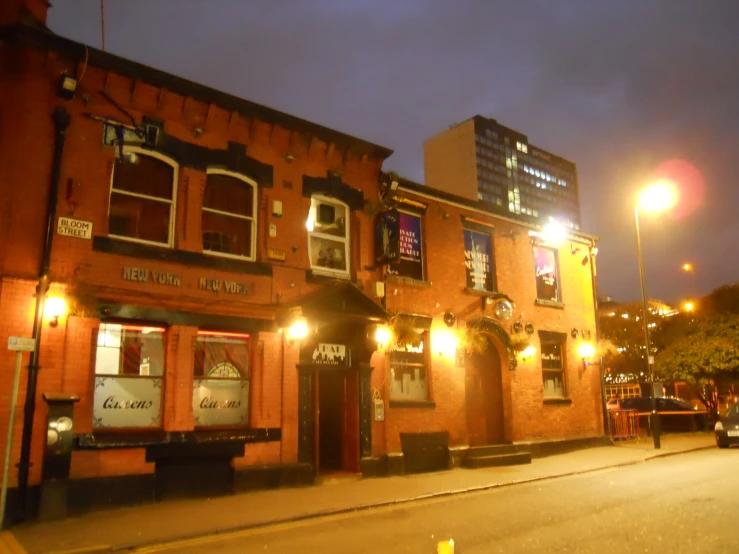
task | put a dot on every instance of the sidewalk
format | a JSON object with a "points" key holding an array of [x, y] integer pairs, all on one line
{"points": [[120, 528]]}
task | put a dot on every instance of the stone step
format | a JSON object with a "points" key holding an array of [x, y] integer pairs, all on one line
{"points": [[493, 449], [496, 460]]}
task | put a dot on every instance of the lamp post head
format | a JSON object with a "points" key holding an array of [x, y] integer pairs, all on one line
{"points": [[658, 197], [687, 267]]}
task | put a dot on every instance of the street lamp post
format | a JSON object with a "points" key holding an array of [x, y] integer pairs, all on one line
{"points": [[658, 197], [655, 415], [691, 269]]}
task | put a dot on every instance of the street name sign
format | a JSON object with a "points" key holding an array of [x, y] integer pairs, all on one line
{"points": [[21, 344], [77, 228]]}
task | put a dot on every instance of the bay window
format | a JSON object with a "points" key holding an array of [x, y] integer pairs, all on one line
{"points": [[142, 197], [221, 379], [129, 367]]}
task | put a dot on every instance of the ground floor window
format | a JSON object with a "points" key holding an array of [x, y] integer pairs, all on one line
{"points": [[129, 365], [408, 363], [221, 379], [552, 366]]}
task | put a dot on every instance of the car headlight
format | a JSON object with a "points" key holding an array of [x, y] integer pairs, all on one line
{"points": [[718, 427]]}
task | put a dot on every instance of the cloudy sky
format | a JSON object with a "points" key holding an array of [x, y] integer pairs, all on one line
{"points": [[621, 87]]}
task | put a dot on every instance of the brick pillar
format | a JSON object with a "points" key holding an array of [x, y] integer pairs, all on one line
{"points": [[290, 404], [178, 379], [13, 11]]}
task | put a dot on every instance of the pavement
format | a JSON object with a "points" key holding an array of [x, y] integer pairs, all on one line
{"points": [[128, 528]]}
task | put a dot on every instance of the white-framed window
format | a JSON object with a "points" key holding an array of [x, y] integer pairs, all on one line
{"points": [[129, 369], [328, 236], [143, 196], [221, 379], [229, 215]]}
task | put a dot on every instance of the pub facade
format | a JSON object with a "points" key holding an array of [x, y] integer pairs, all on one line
{"points": [[229, 297]]}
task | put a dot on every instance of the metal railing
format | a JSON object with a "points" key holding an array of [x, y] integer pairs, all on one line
{"points": [[624, 424]]}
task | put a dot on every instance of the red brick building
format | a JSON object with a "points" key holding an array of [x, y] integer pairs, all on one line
{"points": [[190, 234]]}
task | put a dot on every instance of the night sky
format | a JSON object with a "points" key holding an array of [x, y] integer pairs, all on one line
{"points": [[620, 87]]}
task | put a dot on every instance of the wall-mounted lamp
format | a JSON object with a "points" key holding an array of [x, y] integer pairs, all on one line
{"points": [[393, 185], [574, 333], [444, 342], [450, 319], [67, 87], [54, 308], [586, 351], [529, 328], [383, 336], [289, 158], [298, 330], [528, 352]]}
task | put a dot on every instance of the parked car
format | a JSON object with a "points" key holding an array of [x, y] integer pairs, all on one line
{"points": [[727, 428], [675, 414]]}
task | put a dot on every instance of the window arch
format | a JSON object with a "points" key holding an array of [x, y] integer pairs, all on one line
{"points": [[229, 220], [143, 195]]}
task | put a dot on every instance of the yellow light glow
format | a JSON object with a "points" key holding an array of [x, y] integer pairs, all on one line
{"points": [[658, 197], [554, 232], [383, 335], [528, 352], [689, 306], [310, 223], [55, 307], [298, 330], [444, 342], [586, 350], [687, 267]]}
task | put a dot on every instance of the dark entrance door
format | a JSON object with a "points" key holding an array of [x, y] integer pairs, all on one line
{"points": [[338, 421], [484, 398], [330, 420]]}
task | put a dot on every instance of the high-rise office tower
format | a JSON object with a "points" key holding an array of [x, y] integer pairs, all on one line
{"points": [[482, 160]]}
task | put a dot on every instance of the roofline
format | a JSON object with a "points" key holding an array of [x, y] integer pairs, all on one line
{"points": [[474, 206], [47, 39]]}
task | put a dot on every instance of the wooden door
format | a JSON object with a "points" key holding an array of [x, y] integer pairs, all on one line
{"points": [[484, 398], [330, 420], [351, 422]]}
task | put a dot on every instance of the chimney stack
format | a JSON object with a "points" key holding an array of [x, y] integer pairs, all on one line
{"points": [[23, 11]]}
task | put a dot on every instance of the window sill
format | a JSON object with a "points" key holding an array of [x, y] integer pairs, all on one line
{"points": [[412, 404], [164, 254], [408, 281], [318, 277], [558, 401], [550, 303]]}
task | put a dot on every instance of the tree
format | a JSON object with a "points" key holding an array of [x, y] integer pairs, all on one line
{"points": [[702, 349]]}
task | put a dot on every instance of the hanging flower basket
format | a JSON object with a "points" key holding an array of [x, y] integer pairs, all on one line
{"points": [[405, 333], [475, 341], [520, 342]]}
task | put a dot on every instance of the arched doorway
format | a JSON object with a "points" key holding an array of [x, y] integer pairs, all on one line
{"points": [[484, 397]]}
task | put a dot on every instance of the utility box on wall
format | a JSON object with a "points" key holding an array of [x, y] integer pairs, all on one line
{"points": [[57, 455]]}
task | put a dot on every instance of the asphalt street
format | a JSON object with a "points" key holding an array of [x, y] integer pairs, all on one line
{"points": [[686, 503]]}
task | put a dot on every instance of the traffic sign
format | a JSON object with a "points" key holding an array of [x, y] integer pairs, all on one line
{"points": [[21, 344]]}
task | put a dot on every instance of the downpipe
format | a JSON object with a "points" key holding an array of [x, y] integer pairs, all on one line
{"points": [[61, 119]]}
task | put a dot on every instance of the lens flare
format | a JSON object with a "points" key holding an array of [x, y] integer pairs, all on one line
{"points": [[689, 182]]}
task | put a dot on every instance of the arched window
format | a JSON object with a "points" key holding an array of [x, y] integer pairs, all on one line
{"points": [[229, 215], [142, 197]]}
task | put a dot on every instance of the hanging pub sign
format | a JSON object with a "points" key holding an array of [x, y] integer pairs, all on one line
{"points": [[411, 262], [478, 260], [387, 237], [545, 263], [331, 354]]}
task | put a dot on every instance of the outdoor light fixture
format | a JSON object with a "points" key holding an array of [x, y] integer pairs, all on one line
{"points": [[529, 328], [554, 232], [444, 342], [298, 330], [689, 306], [310, 223], [528, 352], [449, 319], [586, 351], [383, 335], [67, 87], [574, 333], [54, 308]]}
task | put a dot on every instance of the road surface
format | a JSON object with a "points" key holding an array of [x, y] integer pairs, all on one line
{"points": [[686, 503]]}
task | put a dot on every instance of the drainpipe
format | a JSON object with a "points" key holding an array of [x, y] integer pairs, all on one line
{"points": [[61, 120], [604, 407]]}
